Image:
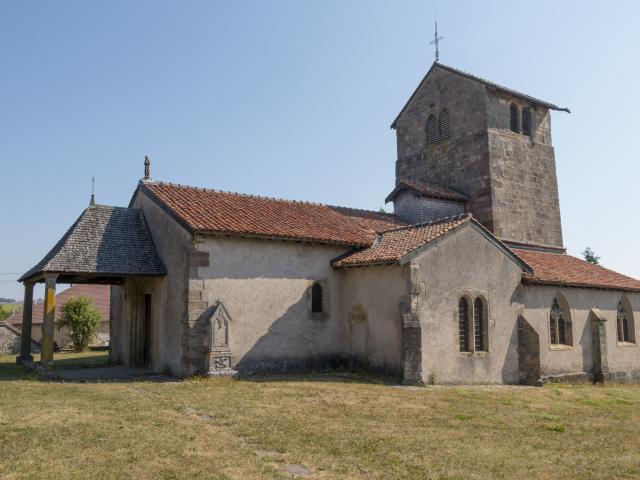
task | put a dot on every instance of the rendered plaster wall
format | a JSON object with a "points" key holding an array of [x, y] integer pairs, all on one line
{"points": [[265, 287], [466, 263], [127, 324], [372, 305], [578, 358], [169, 295]]}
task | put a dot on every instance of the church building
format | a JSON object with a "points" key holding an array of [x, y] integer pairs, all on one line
{"points": [[467, 281]]}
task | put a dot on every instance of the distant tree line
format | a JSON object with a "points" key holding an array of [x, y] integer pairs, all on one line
{"points": [[7, 300]]}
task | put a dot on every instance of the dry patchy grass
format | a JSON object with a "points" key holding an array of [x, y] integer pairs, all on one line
{"points": [[341, 426]]}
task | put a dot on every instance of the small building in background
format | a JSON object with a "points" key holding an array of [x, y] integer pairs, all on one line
{"points": [[99, 294]]}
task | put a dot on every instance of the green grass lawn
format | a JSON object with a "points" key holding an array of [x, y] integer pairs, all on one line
{"points": [[342, 426]]}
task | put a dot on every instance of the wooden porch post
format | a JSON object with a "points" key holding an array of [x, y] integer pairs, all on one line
{"points": [[25, 335], [46, 355]]}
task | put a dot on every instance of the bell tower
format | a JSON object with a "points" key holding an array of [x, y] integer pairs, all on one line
{"points": [[492, 144]]}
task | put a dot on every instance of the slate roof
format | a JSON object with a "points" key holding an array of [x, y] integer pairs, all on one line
{"points": [[428, 190], [488, 83], [105, 242], [212, 211], [565, 270], [100, 294]]}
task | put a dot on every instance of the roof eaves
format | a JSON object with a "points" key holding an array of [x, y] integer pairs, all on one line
{"points": [[528, 279]]}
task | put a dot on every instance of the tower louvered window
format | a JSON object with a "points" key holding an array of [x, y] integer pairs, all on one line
{"points": [[514, 118], [526, 121], [432, 129], [445, 124], [479, 325], [463, 324]]}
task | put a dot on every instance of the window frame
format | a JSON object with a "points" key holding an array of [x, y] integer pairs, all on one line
{"points": [[625, 336], [471, 297], [324, 299], [444, 115], [559, 324], [432, 127], [514, 118], [466, 347]]}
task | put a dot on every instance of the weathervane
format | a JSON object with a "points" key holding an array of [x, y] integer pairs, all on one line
{"points": [[92, 202], [435, 41]]}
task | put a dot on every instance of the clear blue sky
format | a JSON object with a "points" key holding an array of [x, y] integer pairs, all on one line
{"points": [[294, 99]]}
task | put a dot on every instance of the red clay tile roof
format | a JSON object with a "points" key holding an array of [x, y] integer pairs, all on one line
{"points": [[428, 190], [213, 211], [392, 245], [562, 269], [100, 294]]}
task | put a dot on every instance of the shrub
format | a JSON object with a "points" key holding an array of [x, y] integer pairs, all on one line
{"points": [[82, 319]]}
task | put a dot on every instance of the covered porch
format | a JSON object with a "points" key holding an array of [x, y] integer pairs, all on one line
{"points": [[106, 245]]}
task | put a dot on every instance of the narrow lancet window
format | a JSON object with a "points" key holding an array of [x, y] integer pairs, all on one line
{"points": [[463, 324], [479, 325], [625, 325], [559, 325], [316, 298]]}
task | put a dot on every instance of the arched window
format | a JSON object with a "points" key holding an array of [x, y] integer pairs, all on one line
{"points": [[432, 129], [526, 121], [625, 324], [445, 124], [559, 325], [316, 298], [514, 118], [463, 324], [479, 325]]}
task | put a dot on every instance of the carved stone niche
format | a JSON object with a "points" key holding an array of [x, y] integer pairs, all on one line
{"points": [[218, 360]]}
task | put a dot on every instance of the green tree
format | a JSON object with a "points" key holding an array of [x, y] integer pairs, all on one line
{"points": [[590, 256], [4, 313], [82, 319]]}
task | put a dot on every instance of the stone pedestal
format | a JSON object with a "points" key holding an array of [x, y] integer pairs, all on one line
{"points": [[219, 359], [219, 363]]}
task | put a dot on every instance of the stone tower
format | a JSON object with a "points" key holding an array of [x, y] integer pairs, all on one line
{"points": [[491, 143]]}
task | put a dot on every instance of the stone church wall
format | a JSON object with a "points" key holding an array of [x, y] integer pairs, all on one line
{"points": [[9, 340], [413, 208], [578, 360], [372, 311], [524, 185], [467, 264]]}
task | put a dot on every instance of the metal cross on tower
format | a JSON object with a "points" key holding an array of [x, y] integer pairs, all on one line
{"points": [[435, 41], [92, 202]]}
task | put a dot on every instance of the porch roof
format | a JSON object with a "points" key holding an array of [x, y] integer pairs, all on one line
{"points": [[104, 245]]}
